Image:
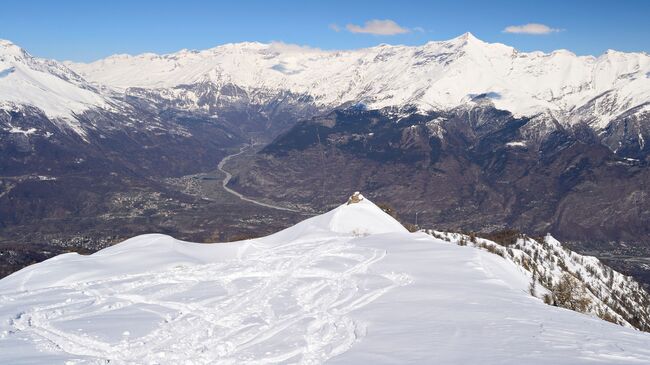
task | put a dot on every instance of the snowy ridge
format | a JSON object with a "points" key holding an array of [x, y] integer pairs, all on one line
{"points": [[437, 75], [349, 286], [48, 85], [610, 295]]}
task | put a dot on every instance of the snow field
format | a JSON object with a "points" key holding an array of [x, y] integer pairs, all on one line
{"points": [[350, 286]]}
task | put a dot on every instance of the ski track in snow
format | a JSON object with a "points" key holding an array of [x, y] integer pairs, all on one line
{"points": [[220, 312], [226, 180]]}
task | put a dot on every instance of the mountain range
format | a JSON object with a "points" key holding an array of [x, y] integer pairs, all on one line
{"points": [[436, 76]]}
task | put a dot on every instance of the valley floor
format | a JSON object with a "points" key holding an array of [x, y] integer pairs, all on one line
{"points": [[193, 207], [228, 177]]}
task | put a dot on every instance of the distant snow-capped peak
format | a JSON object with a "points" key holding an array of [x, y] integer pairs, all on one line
{"points": [[436, 75], [45, 84]]}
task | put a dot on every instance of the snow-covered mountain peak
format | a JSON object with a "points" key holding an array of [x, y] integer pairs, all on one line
{"points": [[45, 84], [464, 45], [8, 48], [358, 216], [467, 39]]}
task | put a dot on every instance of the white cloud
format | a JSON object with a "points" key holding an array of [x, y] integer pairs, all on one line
{"points": [[335, 27], [281, 47], [378, 27], [531, 28]]}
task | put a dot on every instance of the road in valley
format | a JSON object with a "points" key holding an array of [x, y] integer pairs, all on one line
{"points": [[228, 176]]}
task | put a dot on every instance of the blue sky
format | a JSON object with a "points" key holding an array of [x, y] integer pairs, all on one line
{"points": [[88, 30]]}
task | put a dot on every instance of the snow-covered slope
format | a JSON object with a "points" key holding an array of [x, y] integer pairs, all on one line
{"points": [[598, 290], [437, 75], [45, 84], [350, 286]]}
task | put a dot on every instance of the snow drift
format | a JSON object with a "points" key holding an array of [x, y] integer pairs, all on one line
{"points": [[349, 286]]}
